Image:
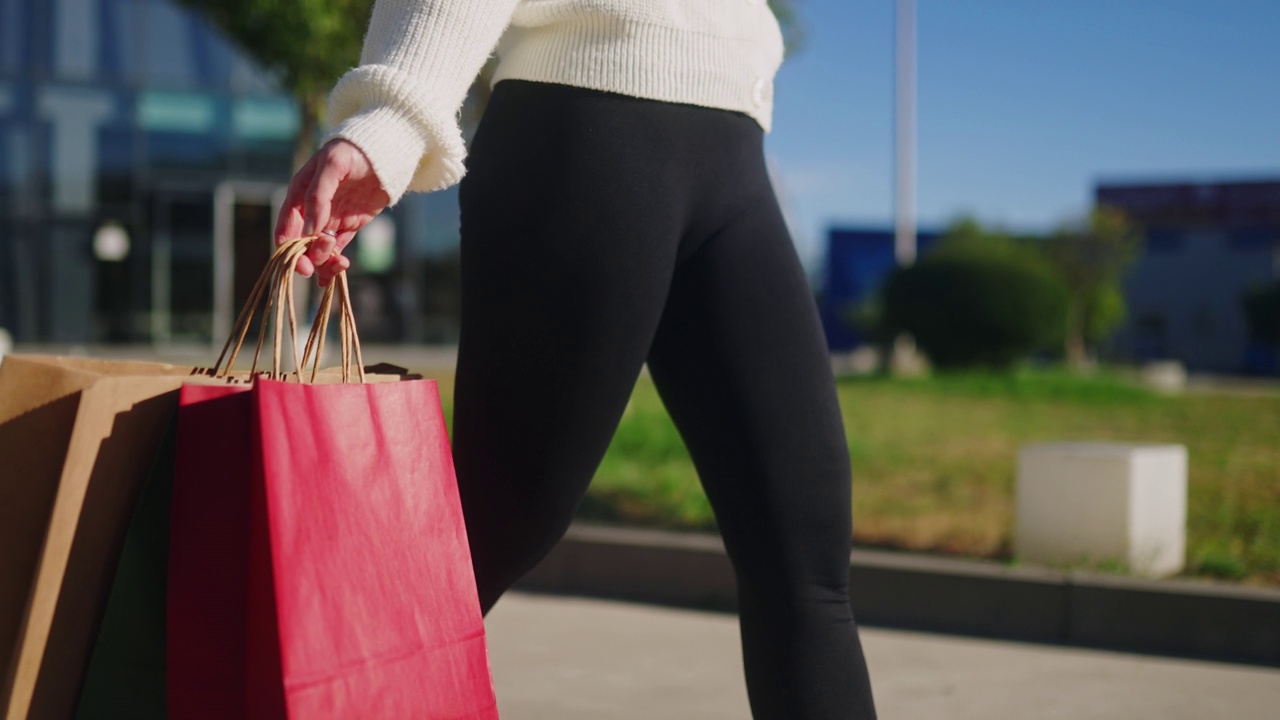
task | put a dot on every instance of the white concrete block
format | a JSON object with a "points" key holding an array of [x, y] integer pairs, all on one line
{"points": [[1166, 376], [1100, 502]]}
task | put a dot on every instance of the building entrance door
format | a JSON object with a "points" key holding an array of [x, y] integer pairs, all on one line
{"points": [[207, 250], [181, 263], [243, 223]]}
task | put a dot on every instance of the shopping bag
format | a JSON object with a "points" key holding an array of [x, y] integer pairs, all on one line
{"points": [[318, 564], [78, 438], [125, 675]]}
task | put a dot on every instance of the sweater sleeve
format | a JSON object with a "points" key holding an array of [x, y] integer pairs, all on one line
{"points": [[400, 106]]}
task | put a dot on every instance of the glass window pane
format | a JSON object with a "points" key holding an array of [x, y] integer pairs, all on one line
{"points": [[218, 55], [169, 48], [75, 42], [127, 18], [264, 119], [175, 112], [74, 116], [117, 144], [8, 128], [15, 165], [11, 32]]}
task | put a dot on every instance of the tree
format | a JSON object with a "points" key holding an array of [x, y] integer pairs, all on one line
{"points": [[1090, 257], [309, 44], [788, 15], [979, 299]]}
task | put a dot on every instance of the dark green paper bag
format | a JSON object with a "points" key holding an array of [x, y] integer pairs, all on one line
{"points": [[126, 675]]}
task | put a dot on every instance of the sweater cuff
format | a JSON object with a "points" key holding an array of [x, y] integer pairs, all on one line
{"points": [[395, 148], [411, 144]]}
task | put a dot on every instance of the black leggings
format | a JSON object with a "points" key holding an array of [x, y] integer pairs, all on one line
{"points": [[601, 232]]}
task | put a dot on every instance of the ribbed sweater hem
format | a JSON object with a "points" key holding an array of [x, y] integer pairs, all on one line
{"points": [[613, 55]]}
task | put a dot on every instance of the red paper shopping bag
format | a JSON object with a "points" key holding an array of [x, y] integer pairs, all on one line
{"points": [[318, 560]]}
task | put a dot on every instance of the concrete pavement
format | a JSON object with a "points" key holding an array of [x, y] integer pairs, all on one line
{"points": [[573, 659], [561, 658]]}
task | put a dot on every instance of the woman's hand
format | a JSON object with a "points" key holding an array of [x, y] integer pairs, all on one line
{"points": [[337, 191]]}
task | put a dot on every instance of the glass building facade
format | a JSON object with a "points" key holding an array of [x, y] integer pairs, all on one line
{"points": [[141, 161]]}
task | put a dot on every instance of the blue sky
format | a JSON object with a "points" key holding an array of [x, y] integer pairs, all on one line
{"points": [[1023, 105]]}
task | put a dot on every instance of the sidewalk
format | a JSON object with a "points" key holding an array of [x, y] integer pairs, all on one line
{"points": [[560, 658]]}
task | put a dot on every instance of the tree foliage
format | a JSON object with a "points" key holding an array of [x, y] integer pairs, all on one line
{"points": [[979, 299], [1090, 257], [788, 14]]}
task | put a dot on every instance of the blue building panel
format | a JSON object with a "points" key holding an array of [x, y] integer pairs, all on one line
{"points": [[858, 263]]}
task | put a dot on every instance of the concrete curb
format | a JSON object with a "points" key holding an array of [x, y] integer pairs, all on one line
{"points": [[1167, 617]]}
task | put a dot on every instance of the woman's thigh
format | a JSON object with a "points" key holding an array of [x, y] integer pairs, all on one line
{"points": [[568, 245], [742, 365]]}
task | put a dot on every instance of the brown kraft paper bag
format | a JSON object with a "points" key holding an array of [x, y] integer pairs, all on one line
{"points": [[77, 440]]}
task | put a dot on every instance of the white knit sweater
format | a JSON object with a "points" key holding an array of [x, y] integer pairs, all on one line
{"points": [[400, 106]]}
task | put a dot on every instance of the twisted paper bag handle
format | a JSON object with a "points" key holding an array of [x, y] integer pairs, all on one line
{"points": [[276, 285]]}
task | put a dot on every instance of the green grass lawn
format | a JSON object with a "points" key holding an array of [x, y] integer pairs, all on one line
{"points": [[934, 462]]}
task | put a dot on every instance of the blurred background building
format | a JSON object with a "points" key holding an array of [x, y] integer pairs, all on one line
{"points": [[1206, 245], [142, 159], [858, 262]]}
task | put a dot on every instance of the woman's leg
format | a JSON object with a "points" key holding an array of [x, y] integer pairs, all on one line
{"points": [[598, 229], [741, 364], [569, 233]]}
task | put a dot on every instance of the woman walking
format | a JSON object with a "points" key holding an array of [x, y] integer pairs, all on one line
{"points": [[615, 211]]}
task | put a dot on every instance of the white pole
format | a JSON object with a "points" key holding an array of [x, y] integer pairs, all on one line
{"points": [[904, 232]]}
